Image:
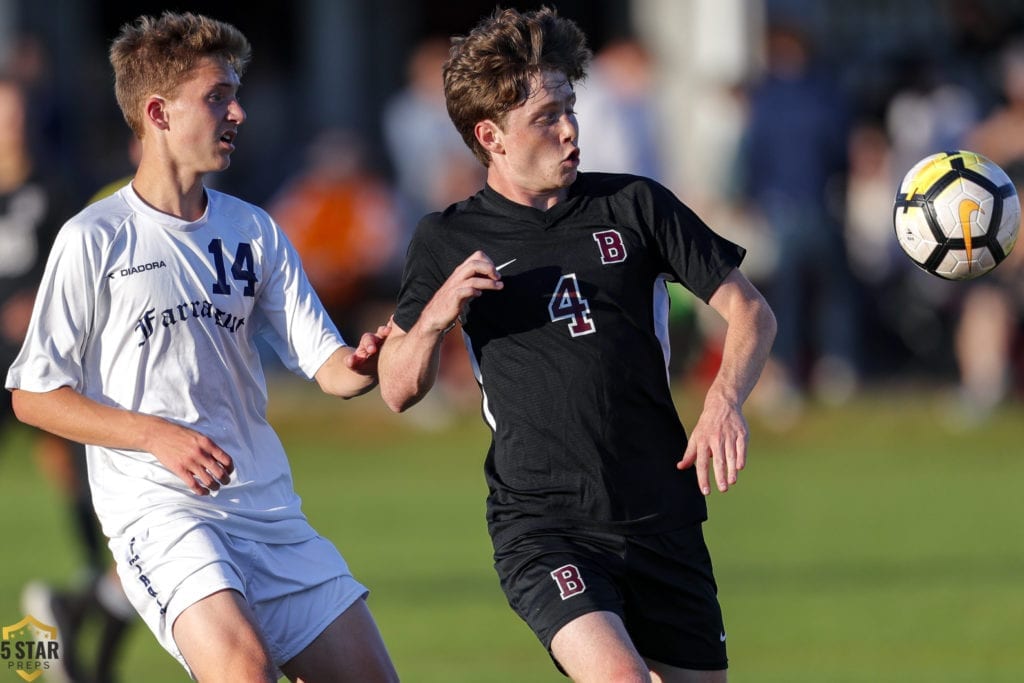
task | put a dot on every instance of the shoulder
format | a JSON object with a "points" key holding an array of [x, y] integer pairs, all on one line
{"points": [[227, 205], [245, 217], [612, 184], [455, 214], [639, 193], [102, 218]]}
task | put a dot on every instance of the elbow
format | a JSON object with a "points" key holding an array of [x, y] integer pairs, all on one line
{"points": [[397, 401], [397, 404], [17, 405], [768, 323], [21, 406]]}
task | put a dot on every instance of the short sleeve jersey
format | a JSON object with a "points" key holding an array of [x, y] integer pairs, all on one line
{"points": [[143, 311], [571, 355]]}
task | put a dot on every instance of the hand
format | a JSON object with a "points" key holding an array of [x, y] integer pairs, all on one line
{"points": [[191, 456], [719, 441], [470, 279], [363, 360]]}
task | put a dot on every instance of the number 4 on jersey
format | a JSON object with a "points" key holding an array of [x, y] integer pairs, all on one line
{"points": [[568, 304]]}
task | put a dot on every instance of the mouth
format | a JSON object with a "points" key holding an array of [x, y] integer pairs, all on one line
{"points": [[228, 138], [573, 158]]}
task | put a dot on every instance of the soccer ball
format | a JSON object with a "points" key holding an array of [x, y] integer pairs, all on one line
{"points": [[956, 215]]}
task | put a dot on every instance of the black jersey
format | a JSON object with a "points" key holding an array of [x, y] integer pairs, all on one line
{"points": [[572, 353]]}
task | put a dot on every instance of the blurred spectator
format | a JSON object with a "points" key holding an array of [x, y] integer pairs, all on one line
{"points": [[927, 113], [49, 131], [134, 155], [991, 310], [793, 165], [30, 216], [341, 218], [433, 167], [901, 319], [617, 103], [33, 206], [870, 187]]}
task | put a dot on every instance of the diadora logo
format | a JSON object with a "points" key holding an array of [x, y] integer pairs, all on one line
{"points": [[569, 581], [135, 270], [29, 648], [613, 250]]}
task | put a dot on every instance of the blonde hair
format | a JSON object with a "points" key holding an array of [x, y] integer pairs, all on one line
{"points": [[154, 55]]}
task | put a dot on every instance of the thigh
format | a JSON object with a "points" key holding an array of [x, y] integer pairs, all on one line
{"points": [[349, 649], [297, 591], [219, 639], [167, 567], [664, 673], [672, 611], [551, 579], [596, 647]]}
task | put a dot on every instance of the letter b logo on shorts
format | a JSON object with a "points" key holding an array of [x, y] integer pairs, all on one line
{"points": [[569, 581]]}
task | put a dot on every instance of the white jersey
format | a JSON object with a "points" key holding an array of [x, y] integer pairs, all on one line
{"points": [[143, 311]]}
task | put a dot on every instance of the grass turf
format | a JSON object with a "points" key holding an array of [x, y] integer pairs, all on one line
{"points": [[870, 543]]}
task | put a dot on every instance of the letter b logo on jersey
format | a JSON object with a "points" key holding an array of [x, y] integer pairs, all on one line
{"points": [[569, 581], [612, 248]]}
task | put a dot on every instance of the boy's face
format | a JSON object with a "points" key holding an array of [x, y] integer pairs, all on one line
{"points": [[203, 117], [539, 138]]}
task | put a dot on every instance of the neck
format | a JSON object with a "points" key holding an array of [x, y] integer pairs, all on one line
{"points": [[538, 199], [165, 191]]}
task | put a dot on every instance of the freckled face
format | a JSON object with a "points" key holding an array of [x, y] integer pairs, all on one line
{"points": [[539, 138]]}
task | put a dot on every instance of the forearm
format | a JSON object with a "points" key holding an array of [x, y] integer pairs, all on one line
{"points": [[408, 366], [748, 342], [70, 415], [336, 378]]}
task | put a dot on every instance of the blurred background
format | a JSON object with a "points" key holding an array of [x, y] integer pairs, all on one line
{"points": [[786, 124], [878, 537]]}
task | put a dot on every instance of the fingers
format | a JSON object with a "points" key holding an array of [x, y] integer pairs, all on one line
{"points": [[477, 274], [469, 280], [206, 469], [725, 460]]}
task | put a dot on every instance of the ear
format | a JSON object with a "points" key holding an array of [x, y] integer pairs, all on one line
{"points": [[156, 112], [490, 136]]}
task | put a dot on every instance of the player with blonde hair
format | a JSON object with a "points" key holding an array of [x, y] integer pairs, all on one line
{"points": [[142, 345]]}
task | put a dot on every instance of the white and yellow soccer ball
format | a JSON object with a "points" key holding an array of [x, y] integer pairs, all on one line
{"points": [[956, 215]]}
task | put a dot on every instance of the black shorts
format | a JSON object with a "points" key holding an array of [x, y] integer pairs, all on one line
{"points": [[661, 586]]}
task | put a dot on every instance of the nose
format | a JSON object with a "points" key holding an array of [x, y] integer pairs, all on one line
{"points": [[570, 128], [236, 113]]}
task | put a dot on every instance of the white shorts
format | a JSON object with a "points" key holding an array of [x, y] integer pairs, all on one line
{"points": [[295, 590]]}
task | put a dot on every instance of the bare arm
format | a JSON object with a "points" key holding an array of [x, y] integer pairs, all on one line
{"points": [[191, 456], [719, 439], [409, 359], [352, 372]]}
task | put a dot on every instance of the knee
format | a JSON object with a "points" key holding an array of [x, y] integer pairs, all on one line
{"points": [[241, 668]]}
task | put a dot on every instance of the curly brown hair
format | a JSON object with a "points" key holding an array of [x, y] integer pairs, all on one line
{"points": [[489, 71], [154, 56]]}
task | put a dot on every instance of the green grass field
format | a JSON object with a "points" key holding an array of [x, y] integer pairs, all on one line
{"points": [[871, 543]]}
